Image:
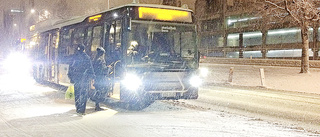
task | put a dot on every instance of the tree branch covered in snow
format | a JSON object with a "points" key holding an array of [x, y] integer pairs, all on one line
{"points": [[302, 13], [298, 11]]}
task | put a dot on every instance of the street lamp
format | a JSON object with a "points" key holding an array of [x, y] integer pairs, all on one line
{"points": [[42, 14], [33, 11]]}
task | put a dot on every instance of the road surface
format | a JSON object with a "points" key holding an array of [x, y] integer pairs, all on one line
{"points": [[36, 110], [296, 109]]}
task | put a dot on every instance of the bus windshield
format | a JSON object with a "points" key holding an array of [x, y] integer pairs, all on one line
{"points": [[162, 46]]}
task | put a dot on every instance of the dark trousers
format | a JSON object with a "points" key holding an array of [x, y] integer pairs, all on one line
{"points": [[101, 88], [81, 96]]}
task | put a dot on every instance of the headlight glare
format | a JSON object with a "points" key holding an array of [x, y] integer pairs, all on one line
{"points": [[17, 63], [204, 72], [132, 82], [195, 81]]}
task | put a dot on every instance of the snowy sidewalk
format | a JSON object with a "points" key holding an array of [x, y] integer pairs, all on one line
{"points": [[279, 78]]}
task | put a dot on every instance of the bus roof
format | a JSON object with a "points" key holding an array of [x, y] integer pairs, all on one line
{"points": [[57, 24], [50, 24], [150, 5]]}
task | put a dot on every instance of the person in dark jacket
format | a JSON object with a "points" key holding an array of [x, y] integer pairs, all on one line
{"points": [[101, 81], [81, 74]]}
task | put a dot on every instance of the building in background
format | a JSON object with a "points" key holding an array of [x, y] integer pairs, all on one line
{"points": [[13, 27], [227, 28]]}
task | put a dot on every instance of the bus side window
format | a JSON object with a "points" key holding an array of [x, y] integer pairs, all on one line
{"points": [[88, 39], [52, 46], [65, 45], [96, 40], [115, 40], [43, 46], [118, 33], [106, 46], [112, 35], [68, 43], [77, 37]]}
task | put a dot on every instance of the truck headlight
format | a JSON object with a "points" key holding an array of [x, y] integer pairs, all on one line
{"points": [[132, 82], [195, 81]]}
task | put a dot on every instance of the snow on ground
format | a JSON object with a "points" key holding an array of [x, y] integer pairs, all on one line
{"points": [[35, 110], [42, 111], [280, 78]]}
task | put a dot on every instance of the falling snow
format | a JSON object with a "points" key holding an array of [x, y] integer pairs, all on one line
{"points": [[42, 111]]}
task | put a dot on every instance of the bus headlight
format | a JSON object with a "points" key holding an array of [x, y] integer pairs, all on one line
{"points": [[195, 81], [204, 72], [17, 63], [132, 82], [17, 69]]}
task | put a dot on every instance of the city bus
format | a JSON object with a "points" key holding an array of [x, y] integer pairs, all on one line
{"points": [[150, 49]]}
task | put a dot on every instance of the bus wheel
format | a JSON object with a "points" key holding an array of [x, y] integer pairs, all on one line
{"points": [[192, 93], [135, 100]]}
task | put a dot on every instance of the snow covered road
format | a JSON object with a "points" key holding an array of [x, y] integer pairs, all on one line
{"points": [[41, 111]]}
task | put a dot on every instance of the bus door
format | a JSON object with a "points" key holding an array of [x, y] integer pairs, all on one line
{"points": [[107, 36], [45, 57], [51, 50], [113, 44], [41, 58], [66, 50], [54, 57]]}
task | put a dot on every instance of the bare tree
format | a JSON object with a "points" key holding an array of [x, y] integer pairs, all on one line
{"points": [[301, 13]]}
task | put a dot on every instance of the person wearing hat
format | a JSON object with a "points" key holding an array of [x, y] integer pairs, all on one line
{"points": [[101, 81], [81, 74]]}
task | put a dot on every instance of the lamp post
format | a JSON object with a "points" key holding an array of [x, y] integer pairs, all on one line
{"points": [[14, 23]]}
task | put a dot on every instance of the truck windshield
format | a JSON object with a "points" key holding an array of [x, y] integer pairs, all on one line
{"points": [[162, 46]]}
